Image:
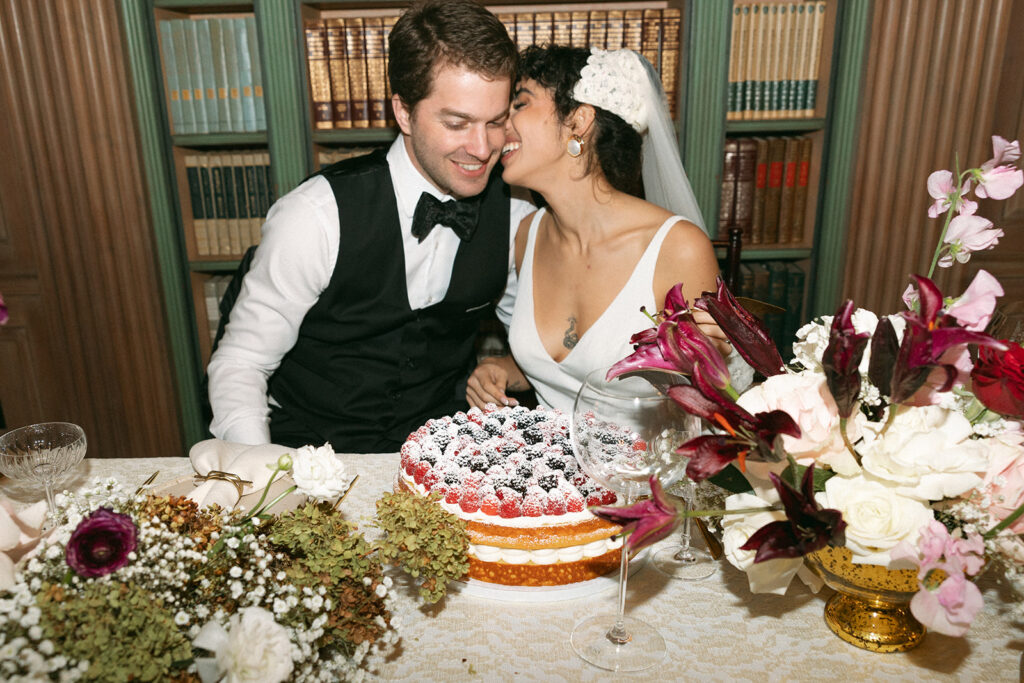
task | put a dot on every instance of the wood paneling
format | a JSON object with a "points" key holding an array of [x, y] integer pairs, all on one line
{"points": [[936, 73], [87, 339]]}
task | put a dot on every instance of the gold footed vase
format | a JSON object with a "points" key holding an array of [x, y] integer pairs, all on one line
{"points": [[871, 607]]}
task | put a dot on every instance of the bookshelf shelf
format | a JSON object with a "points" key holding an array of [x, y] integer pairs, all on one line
{"points": [[777, 126], [294, 144]]}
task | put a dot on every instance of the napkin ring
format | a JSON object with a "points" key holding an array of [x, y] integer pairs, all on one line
{"points": [[230, 478]]}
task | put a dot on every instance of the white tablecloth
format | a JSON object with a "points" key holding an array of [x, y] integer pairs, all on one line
{"points": [[715, 629]]}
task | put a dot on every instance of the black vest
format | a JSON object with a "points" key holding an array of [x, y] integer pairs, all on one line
{"points": [[367, 369]]}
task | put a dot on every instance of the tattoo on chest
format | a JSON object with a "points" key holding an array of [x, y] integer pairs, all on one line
{"points": [[571, 338]]}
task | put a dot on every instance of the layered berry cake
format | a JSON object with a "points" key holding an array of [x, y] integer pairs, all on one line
{"points": [[511, 474]]}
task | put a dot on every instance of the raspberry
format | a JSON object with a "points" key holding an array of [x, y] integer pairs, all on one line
{"points": [[639, 445], [475, 415], [431, 479], [555, 503], [594, 498], [469, 501], [453, 494], [489, 505], [608, 497], [573, 502], [420, 471], [510, 506], [533, 504]]}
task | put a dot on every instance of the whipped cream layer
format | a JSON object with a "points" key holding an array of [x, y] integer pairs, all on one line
{"points": [[489, 553]]}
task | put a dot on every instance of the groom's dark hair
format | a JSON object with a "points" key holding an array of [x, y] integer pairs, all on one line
{"points": [[437, 33]]}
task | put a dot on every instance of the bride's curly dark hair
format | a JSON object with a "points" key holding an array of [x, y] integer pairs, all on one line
{"points": [[616, 147]]}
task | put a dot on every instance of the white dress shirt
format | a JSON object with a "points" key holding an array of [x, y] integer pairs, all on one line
{"points": [[293, 266]]}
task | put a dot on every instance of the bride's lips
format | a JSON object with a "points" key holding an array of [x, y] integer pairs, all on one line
{"points": [[510, 148]]}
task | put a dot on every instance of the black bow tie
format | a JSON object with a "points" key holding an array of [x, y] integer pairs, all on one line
{"points": [[461, 216]]}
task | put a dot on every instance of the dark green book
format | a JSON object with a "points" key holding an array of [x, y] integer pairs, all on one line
{"points": [[776, 322], [794, 318]]}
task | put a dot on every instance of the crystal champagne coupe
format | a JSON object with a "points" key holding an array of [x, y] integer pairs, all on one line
{"points": [[624, 432], [41, 453], [682, 560]]}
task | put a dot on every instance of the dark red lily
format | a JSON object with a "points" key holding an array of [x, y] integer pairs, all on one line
{"points": [[645, 522], [998, 379], [747, 334], [929, 334], [745, 433], [841, 359], [807, 526]]}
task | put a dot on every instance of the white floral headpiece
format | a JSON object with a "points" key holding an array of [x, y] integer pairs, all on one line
{"points": [[614, 80]]}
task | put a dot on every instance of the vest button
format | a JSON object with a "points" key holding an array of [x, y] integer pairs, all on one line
{"points": [[410, 363]]}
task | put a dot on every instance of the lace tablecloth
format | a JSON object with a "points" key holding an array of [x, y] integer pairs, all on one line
{"points": [[715, 629]]}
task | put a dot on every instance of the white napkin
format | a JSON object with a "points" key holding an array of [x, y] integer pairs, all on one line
{"points": [[252, 463], [20, 531]]}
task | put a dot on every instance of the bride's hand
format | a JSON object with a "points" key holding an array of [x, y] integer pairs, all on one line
{"points": [[710, 328], [491, 379]]}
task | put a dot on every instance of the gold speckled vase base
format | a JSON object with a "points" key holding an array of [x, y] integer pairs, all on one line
{"points": [[877, 627]]}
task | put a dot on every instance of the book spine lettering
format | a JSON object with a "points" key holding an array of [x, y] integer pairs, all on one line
{"points": [[672, 22], [319, 75], [195, 67], [579, 29], [376, 72], [236, 116], [355, 48], [257, 73], [562, 28], [616, 29], [543, 28], [245, 75]]}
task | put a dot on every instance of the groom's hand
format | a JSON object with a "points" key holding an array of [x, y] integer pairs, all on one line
{"points": [[491, 379]]}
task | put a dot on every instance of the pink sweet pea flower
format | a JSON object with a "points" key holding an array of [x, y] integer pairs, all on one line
{"points": [[997, 178], [951, 608], [974, 308], [967, 234], [946, 196]]}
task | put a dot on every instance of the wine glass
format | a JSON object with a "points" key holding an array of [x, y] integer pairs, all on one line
{"points": [[41, 453], [624, 431], [682, 560]]}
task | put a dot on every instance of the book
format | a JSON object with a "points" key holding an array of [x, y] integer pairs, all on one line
{"points": [[746, 286], [760, 290], [355, 48], [543, 28], [337, 67], [255, 62], [727, 197], [195, 67], [769, 55], [389, 24], [207, 59], [221, 233], [760, 189], [598, 27], [195, 192], [671, 21], [236, 119], [562, 28], [616, 27], [793, 319], [651, 38], [170, 68], [790, 161], [803, 173], [579, 28], [230, 206], [268, 183], [210, 303], [813, 62], [376, 70], [241, 202], [206, 187], [786, 60], [249, 162], [633, 29], [219, 74], [735, 64], [245, 87], [752, 86], [319, 75], [746, 179], [524, 29], [180, 47], [773, 192]]}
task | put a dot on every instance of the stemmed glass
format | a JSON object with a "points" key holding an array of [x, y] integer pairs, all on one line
{"points": [[683, 561], [624, 431], [41, 453]]}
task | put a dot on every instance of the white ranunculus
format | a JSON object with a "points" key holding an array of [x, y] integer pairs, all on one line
{"points": [[318, 473], [254, 648], [928, 454], [877, 516], [771, 576], [812, 338]]}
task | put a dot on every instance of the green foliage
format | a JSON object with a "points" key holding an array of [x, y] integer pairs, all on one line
{"points": [[323, 546], [794, 476], [121, 630], [732, 480], [424, 539]]}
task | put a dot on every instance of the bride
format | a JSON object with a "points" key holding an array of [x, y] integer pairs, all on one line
{"points": [[589, 131]]}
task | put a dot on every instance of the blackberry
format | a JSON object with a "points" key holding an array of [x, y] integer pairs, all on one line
{"points": [[500, 481], [442, 439], [463, 459], [548, 482], [524, 471], [492, 427], [428, 458], [518, 484], [460, 418], [533, 435], [534, 452], [452, 479], [466, 429], [479, 463], [494, 457], [555, 463], [508, 448]]}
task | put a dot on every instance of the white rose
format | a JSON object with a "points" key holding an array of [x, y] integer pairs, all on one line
{"points": [[877, 516], [806, 398], [254, 648], [928, 453], [318, 473], [771, 576]]}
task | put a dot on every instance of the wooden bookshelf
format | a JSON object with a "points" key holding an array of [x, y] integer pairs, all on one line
{"points": [[294, 143]]}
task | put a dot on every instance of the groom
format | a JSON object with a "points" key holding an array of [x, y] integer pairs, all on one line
{"points": [[356, 321]]}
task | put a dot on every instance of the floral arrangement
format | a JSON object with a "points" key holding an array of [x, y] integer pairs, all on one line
{"points": [[897, 437], [148, 588]]}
